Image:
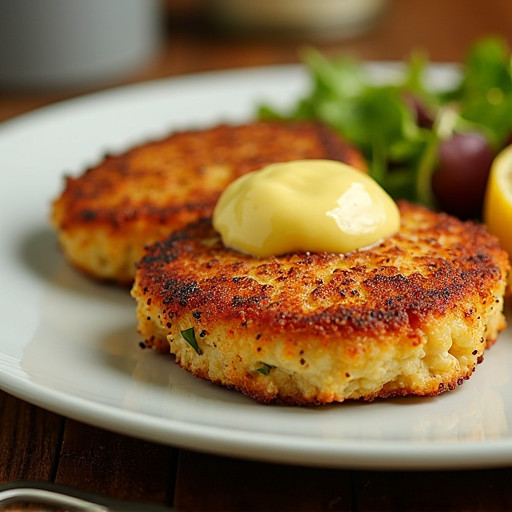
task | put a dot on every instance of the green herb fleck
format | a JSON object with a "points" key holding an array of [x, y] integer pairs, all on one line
{"points": [[265, 368], [190, 337]]}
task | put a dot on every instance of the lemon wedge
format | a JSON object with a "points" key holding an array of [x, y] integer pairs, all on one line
{"points": [[497, 211]]}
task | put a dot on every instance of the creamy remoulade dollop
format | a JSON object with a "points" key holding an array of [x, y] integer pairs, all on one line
{"points": [[304, 205]]}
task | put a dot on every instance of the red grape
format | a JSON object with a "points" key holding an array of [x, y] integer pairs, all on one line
{"points": [[460, 178]]}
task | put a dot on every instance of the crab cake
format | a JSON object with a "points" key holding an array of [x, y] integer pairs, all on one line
{"points": [[411, 316], [106, 216]]}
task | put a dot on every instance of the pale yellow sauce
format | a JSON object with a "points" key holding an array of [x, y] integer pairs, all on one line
{"points": [[304, 205]]}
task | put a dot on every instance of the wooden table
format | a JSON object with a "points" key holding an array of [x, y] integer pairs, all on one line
{"points": [[39, 445]]}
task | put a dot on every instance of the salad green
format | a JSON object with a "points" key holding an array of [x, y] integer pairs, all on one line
{"points": [[401, 127]]}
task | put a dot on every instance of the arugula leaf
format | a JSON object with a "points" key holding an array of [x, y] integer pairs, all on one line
{"points": [[485, 92], [384, 120], [374, 117]]}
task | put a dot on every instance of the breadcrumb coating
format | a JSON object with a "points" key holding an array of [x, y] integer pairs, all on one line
{"points": [[106, 216], [411, 316]]}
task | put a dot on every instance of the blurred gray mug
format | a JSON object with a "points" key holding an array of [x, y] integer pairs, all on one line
{"points": [[74, 43]]}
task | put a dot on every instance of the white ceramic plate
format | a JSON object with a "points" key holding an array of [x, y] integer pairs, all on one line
{"points": [[70, 345]]}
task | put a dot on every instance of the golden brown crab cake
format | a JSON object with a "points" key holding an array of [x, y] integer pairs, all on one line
{"points": [[106, 216], [411, 316]]}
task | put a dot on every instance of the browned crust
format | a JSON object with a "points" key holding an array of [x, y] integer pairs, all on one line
{"points": [[433, 264], [156, 188], [439, 280]]}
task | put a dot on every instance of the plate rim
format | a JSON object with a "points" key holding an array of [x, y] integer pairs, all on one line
{"points": [[392, 454], [388, 454]]}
